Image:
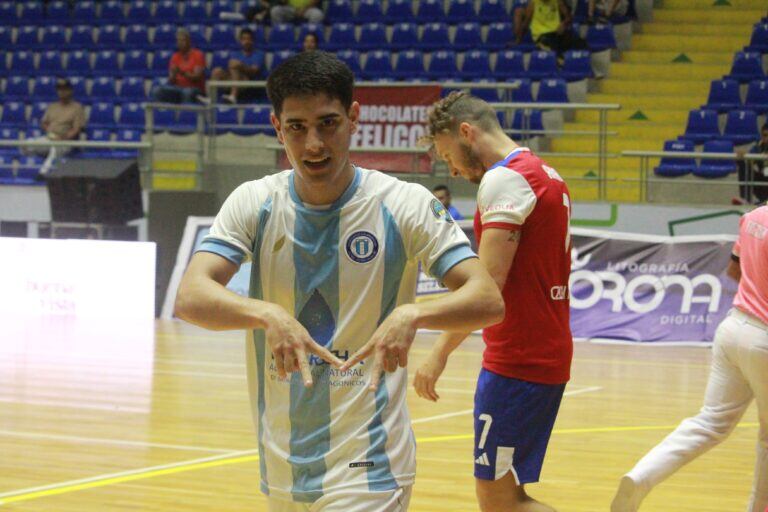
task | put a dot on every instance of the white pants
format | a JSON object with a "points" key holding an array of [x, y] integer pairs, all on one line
{"points": [[388, 501], [739, 373], [51, 153]]}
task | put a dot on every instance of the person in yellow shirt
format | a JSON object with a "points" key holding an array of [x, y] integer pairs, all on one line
{"points": [[289, 11], [550, 24]]}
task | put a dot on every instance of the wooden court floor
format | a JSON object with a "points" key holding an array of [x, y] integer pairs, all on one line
{"points": [[156, 417]]}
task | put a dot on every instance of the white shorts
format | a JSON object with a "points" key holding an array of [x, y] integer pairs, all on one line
{"points": [[388, 501]]}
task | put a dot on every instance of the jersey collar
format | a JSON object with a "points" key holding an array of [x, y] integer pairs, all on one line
{"points": [[340, 202], [508, 158]]}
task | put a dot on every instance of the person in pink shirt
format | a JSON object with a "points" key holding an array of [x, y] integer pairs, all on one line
{"points": [[739, 373]]}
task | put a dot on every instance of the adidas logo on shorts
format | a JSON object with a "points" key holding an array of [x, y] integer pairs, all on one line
{"points": [[483, 460]]}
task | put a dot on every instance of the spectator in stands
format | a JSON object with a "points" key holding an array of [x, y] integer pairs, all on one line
{"points": [[259, 12], [603, 10], [550, 24], [288, 11], [246, 64], [756, 171], [310, 42], [186, 73], [518, 18], [443, 194], [63, 120]]}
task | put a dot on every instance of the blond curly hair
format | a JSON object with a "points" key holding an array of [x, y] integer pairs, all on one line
{"points": [[458, 107]]}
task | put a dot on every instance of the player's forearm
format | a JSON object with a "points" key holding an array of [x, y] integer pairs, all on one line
{"points": [[208, 304], [447, 343]]}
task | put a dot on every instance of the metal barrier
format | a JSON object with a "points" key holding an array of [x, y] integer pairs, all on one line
{"points": [[645, 178]]}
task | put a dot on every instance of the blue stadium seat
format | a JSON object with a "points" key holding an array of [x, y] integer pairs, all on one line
{"points": [[199, 35], [129, 135], [44, 89], [279, 57], [759, 40], [16, 88], [28, 170], [109, 37], [434, 37], [499, 35], [378, 65], [405, 36], [256, 120], [164, 119], [84, 11], [671, 166], [342, 37], [430, 11], [526, 126], [373, 36], [282, 36], [492, 11], [137, 37], [78, 88], [443, 66], [601, 37], [460, 11], [38, 111], [352, 59], [139, 11], [57, 11], [131, 115], [53, 37], [554, 90], [409, 65], [723, 95], [51, 63], [112, 11], [467, 37], [339, 11], [226, 120], [31, 12], [477, 64], [167, 11], [23, 62], [747, 66], [757, 96], [195, 11], [577, 65], [311, 28], [186, 122], [485, 93], [27, 36], [160, 63], [369, 11], [165, 36], [103, 89], [79, 63], [14, 114], [106, 63], [716, 168], [702, 126], [400, 11], [5, 37], [220, 6], [509, 64], [523, 93], [543, 64], [135, 64], [81, 37], [223, 36], [98, 134], [741, 127], [102, 116], [132, 89]]}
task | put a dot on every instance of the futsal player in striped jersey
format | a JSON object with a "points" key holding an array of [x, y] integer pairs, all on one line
{"points": [[335, 252], [522, 227]]}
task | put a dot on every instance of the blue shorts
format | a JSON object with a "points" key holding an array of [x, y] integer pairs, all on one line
{"points": [[513, 423]]}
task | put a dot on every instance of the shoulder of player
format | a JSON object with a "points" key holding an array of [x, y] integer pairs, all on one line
{"points": [[388, 188], [499, 178], [257, 191]]}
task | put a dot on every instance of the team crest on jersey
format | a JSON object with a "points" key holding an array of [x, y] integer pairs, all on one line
{"points": [[362, 247], [440, 211]]}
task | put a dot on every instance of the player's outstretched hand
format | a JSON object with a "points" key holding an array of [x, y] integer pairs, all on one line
{"points": [[389, 345], [427, 375], [291, 345]]}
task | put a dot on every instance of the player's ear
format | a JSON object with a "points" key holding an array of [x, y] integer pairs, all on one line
{"points": [[276, 123], [354, 116], [466, 132]]}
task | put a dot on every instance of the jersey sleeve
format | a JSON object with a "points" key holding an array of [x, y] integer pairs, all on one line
{"points": [[736, 251], [432, 237], [505, 199], [233, 233]]}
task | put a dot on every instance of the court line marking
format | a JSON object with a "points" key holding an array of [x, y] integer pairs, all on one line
{"points": [[77, 405], [244, 456], [589, 389], [116, 442]]}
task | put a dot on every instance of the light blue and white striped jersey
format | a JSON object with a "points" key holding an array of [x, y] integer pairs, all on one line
{"points": [[340, 271]]}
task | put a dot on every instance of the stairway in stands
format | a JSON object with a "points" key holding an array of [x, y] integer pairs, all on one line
{"points": [[665, 74]]}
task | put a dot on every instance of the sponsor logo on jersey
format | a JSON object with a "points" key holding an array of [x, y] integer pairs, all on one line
{"points": [[362, 247], [366, 464], [440, 211], [559, 293]]}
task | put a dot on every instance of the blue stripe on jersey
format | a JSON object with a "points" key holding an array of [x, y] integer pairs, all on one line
{"points": [[449, 259], [507, 159], [341, 201], [259, 339], [316, 261], [380, 474], [223, 249]]}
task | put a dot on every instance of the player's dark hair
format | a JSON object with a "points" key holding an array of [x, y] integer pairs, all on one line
{"points": [[244, 31], [308, 74], [441, 187]]}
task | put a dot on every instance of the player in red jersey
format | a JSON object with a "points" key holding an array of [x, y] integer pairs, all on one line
{"points": [[522, 227]]}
